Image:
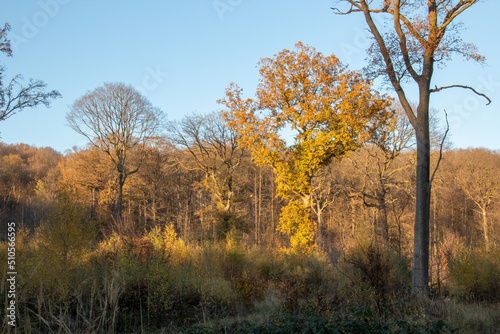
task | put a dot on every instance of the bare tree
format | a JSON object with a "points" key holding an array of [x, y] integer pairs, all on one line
{"points": [[476, 174], [17, 95], [326, 187], [213, 148], [380, 162], [423, 33], [116, 119]]}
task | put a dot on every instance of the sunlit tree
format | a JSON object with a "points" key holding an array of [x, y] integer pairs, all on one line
{"points": [[213, 149], [476, 174], [329, 111], [423, 33]]}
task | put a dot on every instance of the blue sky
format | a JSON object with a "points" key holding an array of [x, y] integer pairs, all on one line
{"points": [[182, 55]]}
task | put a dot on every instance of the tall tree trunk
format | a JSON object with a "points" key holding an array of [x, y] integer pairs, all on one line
{"points": [[273, 227], [119, 202], [93, 214], [255, 211], [485, 229], [319, 213], [153, 209], [259, 225], [420, 280], [382, 217]]}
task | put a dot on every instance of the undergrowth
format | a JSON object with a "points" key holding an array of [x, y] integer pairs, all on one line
{"points": [[157, 282]]}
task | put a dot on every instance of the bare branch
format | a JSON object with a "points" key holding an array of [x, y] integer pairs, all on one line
{"points": [[440, 149], [402, 39], [17, 96], [353, 8], [461, 6], [391, 72], [461, 86]]}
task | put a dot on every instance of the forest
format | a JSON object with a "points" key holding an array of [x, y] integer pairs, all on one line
{"points": [[298, 210]]}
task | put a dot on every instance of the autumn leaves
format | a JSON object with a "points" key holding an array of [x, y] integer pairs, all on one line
{"points": [[330, 111]]}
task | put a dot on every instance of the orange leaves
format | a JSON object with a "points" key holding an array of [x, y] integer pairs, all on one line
{"points": [[329, 109], [326, 107]]}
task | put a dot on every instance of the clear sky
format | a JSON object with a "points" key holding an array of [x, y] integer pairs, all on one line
{"points": [[182, 54]]}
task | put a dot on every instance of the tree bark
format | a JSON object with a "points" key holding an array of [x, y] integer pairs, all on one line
{"points": [[420, 279], [485, 229], [119, 202], [382, 217]]}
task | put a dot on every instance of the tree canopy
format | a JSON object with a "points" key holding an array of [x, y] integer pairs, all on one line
{"points": [[329, 109]]}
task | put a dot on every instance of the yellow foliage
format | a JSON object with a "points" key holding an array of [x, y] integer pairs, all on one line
{"points": [[296, 222], [330, 110], [111, 245], [162, 239]]}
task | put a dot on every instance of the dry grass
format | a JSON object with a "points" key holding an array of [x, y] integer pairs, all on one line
{"points": [[157, 282]]}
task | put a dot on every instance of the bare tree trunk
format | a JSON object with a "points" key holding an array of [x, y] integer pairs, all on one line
{"points": [[119, 202], [153, 208], [273, 228], [420, 279], [259, 225], [93, 214], [382, 218], [485, 229], [435, 266], [320, 223], [255, 211]]}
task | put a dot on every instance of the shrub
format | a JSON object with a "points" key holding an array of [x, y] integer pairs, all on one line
{"points": [[377, 272], [475, 274], [307, 283]]}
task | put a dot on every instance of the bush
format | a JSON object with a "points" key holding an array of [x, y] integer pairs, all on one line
{"points": [[475, 274], [376, 273], [307, 282]]}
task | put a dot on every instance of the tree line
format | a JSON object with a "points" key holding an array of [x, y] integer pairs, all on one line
{"points": [[368, 195]]}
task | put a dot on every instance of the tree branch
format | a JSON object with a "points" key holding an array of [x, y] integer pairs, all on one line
{"points": [[389, 64], [351, 10], [457, 10], [402, 40], [440, 149], [461, 86]]}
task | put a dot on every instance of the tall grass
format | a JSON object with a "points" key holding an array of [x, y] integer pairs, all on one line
{"points": [[155, 281]]}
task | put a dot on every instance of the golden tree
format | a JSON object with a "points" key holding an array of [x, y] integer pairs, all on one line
{"points": [[89, 174], [330, 111]]}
